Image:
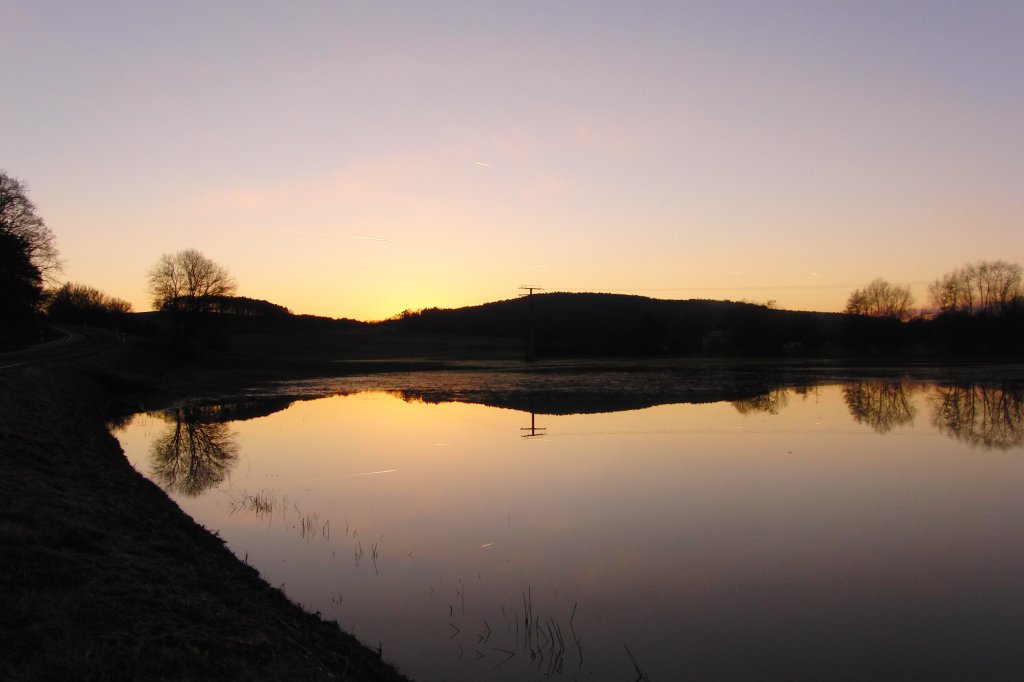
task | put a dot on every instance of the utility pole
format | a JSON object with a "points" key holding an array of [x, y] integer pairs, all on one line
{"points": [[530, 340]]}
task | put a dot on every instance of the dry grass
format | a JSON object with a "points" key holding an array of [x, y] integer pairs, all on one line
{"points": [[103, 577]]}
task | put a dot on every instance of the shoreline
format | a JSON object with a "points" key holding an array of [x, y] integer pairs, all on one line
{"points": [[104, 577]]}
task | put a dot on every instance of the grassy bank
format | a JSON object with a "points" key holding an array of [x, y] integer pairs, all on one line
{"points": [[102, 576]]}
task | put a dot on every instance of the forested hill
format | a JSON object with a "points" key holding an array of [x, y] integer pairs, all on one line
{"points": [[591, 324], [613, 324]]}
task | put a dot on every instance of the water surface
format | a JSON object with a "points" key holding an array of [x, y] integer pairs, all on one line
{"points": [[866, 530]]}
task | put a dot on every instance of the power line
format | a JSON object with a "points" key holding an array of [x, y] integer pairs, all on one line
{"points": [[758, 287]]}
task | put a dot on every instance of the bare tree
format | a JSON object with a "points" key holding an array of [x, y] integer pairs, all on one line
{"points": [[185, 281], [184, 284], [18, 218], [881, 299], [80, 303], [998, 284], [992, 287], [953, 292]]}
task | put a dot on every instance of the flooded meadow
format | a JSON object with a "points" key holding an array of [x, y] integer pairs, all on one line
{"points": [[479, 530]]}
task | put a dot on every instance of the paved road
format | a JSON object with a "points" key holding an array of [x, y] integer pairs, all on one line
{"points": [[74, 342]]}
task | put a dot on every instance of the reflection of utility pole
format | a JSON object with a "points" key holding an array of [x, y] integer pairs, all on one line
{"points": [[533, 428], [530, 342]]}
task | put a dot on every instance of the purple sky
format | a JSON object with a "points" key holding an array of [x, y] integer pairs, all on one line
{"points": [[357, 159]]}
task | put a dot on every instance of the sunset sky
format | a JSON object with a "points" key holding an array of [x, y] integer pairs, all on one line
{"points": [[355, 159]]}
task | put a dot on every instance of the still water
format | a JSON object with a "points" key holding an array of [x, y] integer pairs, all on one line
{"points": [[862, 531]]}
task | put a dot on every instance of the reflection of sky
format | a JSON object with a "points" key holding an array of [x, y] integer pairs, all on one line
{"points": [[690, 533]]}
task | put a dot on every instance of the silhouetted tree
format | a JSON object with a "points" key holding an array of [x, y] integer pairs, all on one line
{"points": [[990, 287], [184, 284], [953, 292], [881, 299], [18, 217], [27, 257], [21, 290], [81, 304]]}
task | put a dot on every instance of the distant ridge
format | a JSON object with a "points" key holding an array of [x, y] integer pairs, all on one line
{"points": [[621, 324], [602, 325]]}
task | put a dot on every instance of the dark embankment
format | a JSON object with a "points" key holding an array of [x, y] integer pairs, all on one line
{"points": [[103, 577]]}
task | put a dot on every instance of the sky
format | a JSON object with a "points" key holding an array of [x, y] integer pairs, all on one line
{"points": [[357, 159]]}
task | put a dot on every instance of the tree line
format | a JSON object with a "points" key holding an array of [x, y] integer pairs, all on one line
{"points": [[185, 284], [982, 288], [977, 307], [28, 260]]}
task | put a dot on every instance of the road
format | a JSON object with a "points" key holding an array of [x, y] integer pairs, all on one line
{"points": [[74, 342]]}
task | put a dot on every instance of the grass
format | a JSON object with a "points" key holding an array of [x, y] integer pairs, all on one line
{"points": [[261, 504], [641, 674], [522, 637], [103, 577]]}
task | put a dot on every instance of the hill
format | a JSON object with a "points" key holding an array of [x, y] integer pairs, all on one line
{"points": [[589, 325], [563, 324]]}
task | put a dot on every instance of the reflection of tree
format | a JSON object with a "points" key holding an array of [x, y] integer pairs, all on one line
{"points": [[770, 402], [882, 405], [193, 454], [985, 416]]}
